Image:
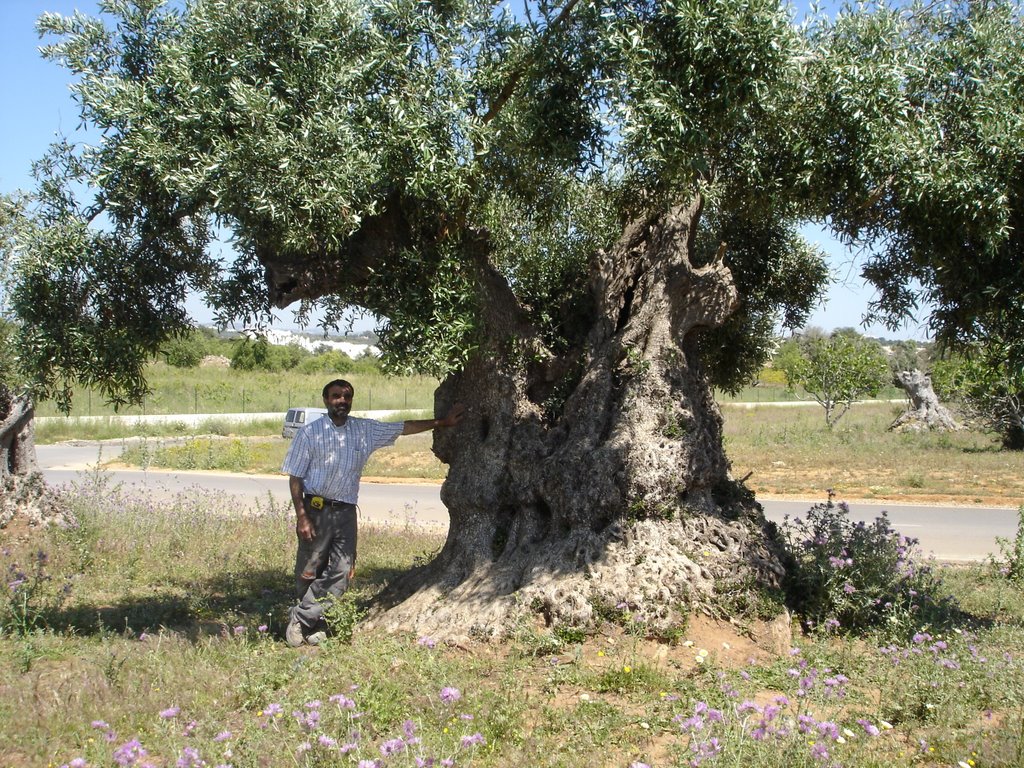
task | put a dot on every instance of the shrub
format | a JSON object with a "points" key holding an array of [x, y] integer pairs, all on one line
{"points": [[853, 576]]}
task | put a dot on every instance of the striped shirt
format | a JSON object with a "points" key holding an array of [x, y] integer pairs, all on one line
{"points": [[330, 459]]}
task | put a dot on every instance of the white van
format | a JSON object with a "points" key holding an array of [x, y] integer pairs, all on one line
{"points": [[297, 417]]}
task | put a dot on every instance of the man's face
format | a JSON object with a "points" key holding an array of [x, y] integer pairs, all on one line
{"points": [[338, 402]]}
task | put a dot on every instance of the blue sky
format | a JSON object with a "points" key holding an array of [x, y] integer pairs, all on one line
{"points": [[37, 107]]}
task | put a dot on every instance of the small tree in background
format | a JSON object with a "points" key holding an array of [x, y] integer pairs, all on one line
{"points": [[836, 370]]}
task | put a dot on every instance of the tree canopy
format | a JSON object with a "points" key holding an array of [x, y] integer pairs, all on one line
{"points": [[425, 160]]}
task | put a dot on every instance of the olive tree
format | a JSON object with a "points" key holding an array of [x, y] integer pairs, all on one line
{"points": [[836, 371], [582, 217]]}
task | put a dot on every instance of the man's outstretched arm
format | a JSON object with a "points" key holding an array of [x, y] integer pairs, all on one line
{"points": [[453, 417]]}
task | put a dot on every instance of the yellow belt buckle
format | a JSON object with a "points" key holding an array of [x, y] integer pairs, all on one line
{"points": [[317, 502]]}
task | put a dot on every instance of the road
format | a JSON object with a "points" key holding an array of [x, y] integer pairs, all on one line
{"points": [[958, 534]]}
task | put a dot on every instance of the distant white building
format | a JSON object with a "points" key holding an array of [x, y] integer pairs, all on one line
{"points": [[353, 349]]}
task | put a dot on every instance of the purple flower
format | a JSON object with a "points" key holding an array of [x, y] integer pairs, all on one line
{"points": [[262, 628], [392, 747], [343, 701], [170, 712], [476, 738], [449, 694], [869, 728], [428, 642], [273, 709], [222, 736], [190, 759], [820, 752], [100, 724], [129, 753], [239, 630], [327, 741]]}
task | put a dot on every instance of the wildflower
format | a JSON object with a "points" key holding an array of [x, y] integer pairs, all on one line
{"points": [[327, 741], [100, 724], [427, 642], [637, 764], [392, 747], [869, 728], [262, 628], [222, 736], [273, 709], [190, 759], [476, 738], [820, 752], [343, 702], [170, 712], [239, 630], [129, 753], [450, 695]]}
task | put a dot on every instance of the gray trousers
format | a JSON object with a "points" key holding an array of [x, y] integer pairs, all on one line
{"points": [[322, 566]]}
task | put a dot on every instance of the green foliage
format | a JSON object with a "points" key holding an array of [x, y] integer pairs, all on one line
{"points": [[916, 136], [908, 356], [1011, 561], [853, 577], [30, 595], [986, 381], [186, 351], [259, 355], [836, 371], [342, 616]]}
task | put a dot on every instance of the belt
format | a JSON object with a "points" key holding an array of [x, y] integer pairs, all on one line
{"points": [[320, 502]]}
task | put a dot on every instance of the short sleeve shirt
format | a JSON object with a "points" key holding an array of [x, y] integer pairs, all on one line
{"points": [[330, 459]]}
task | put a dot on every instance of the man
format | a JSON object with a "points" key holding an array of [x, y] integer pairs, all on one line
{"points": [[323, 464]]}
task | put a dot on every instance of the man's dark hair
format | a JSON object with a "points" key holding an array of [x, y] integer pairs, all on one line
{"points": [[338, 383]]}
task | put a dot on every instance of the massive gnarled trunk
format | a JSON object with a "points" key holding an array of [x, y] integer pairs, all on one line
{"points": [[597, 481]]}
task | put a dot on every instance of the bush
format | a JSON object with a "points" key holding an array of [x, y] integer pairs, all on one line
{"points": [[332, 361], [259, 355], [852, 577]]}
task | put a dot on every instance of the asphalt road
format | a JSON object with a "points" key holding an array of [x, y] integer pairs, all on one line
{"points": [[961, 534]]}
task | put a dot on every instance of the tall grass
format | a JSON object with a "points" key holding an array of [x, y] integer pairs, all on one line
{"points": [[153, 636], [224, 390]]}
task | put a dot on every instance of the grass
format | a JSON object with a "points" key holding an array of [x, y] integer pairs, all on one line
{"points": [[790, 451], [157, 628], [222, 390]]}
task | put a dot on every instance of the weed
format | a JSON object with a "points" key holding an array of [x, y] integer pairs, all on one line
{"points": [[1010, 562]]}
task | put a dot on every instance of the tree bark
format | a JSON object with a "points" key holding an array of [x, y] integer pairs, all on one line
{"points": [[925, 412], [595, 482], [23, 492]]}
